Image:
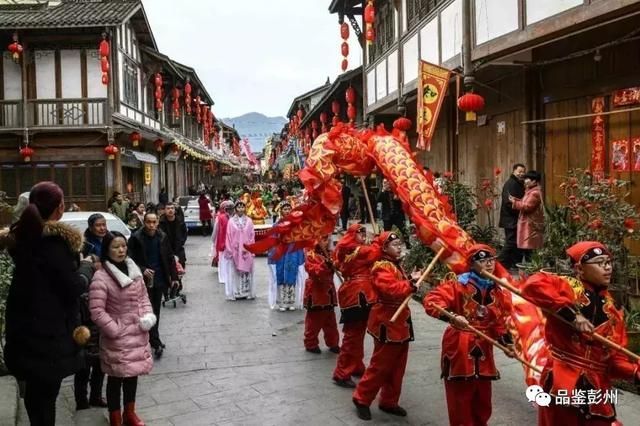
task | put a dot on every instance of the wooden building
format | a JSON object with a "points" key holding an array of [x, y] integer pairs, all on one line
{"points": [[537, 63], [57, 100]]}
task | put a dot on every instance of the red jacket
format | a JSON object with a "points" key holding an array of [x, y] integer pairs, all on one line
{"points": [[575, 356], [319, 289], [391, 287], [465, 355], [355, 265]]}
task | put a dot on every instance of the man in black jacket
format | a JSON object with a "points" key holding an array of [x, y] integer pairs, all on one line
{"points": [[514, 186], [150, 248], [176, 230]]}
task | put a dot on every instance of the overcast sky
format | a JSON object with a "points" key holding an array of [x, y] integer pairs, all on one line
{"points": [[252, 55]]}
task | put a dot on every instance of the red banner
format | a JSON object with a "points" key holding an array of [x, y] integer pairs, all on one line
{"points": [[597, 138], [432, 87], [624, 97]]}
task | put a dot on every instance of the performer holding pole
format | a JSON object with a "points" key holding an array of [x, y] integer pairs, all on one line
{"points": [[353, 258], [391, 340], [579, 363], [467, 361]]}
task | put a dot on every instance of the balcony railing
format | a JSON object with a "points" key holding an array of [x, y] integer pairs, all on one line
{"points": [[80, 112], [10, 114]]}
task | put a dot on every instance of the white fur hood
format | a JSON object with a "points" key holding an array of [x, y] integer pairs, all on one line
{"points": [[120, 277]]}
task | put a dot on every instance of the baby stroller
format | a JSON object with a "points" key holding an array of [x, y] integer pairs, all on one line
{"points": [[174, 294]]}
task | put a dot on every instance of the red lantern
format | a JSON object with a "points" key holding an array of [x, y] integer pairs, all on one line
{"points": [[471, 103], [175, 149], [335, 107], [370, 35], [323, 121], [135, 138], [27, 153], [157, 81], [187, 97], [351, 112], [344, 31], [111, 150], [159, 144], [370, 13], [15, 48], [175, 95], [350, 95], [300, 113], [198, 109], [345, 48], [103, 50], [344, 65]]}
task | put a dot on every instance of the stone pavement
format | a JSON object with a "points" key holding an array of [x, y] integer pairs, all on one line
{"points": [[238, 363]]}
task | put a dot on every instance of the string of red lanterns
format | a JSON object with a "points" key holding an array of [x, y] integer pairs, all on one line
{"points": [[104, 51], [157, 81], [175, 102], [335, 108], [187, 97], [370, 19], [15, 48], [344, 33], [352, 111], [198, 109], [323, 122]]}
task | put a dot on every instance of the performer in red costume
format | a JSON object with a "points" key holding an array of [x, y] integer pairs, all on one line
{"points": [[320, 299], [355, 296], [578, 364], [391, 340], [467, 360]]}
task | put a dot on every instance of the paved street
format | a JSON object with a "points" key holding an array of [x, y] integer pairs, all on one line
{"points": [[238, 363]]}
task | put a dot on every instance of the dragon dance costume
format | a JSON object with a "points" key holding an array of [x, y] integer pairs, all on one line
{"points": [[467, 362], [577, 362], [355, 298]]}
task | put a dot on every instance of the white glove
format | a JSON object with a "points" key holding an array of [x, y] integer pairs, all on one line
{"points": [[147, 321]]}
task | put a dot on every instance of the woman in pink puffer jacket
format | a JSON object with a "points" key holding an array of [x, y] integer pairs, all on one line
{"points": [[121, 309]]}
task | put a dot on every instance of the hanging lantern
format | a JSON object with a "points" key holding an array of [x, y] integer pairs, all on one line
{"points": [[104, 50], [15, 48], [27, 153], [350, 95], [369, 19], [175, 102], [470, 103], [335, 107], [187, 97], [198, 109], [159, 144], [344, 33], [157, 81], [335, 120], [111, 150], [300, 113], [175, 149], [351, 113], [323, 122], [135, 138]]}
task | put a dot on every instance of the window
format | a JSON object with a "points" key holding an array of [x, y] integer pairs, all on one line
{"points": [[130, 83], [539, 9], [495, 18], [451, 27], [385, 31], [429, 42], [417, 10], [410, 59]]}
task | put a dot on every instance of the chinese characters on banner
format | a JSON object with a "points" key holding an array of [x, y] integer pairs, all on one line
{"points": [[625, 97], [597, 138], [432, 87]]}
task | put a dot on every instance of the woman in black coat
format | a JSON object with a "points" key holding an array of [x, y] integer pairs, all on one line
{"points": [[42, 306]]}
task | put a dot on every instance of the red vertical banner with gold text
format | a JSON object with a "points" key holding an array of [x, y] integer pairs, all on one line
{"points": [[597, 138], [432, 87]]}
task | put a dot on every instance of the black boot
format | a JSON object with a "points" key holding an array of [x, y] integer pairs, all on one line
{"points": [[314, 350], [335, 349], [396, 411], [348, 383], [364, 413]]}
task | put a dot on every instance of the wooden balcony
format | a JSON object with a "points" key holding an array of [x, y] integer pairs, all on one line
{"points": [[11, 114], [82, 112]]}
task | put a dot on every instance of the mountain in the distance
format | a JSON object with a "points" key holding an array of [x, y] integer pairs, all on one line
{"points": [[256, 127]]}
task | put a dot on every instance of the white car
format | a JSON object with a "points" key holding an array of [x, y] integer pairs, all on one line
{"points": [[79, 221], [192, 212]]}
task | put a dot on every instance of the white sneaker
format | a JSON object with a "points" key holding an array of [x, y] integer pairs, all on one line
{"points": [[282, 309]]}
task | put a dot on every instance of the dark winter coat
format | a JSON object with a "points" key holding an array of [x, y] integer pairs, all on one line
{"points": [[137, 253], [176, 231], [384, 198], [92, 245], [509, 215], [42, 306]]}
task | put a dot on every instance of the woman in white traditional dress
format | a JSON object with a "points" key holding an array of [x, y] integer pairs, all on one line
{"points": [[287, 274], [239, 278]]}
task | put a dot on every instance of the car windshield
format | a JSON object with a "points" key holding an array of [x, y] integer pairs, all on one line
{"points": [[112, 225]]}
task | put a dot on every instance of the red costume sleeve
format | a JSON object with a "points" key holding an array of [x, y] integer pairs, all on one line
{"points": [[316, 266], [387, 284], [443, 296], [619, 365], [550, 292]]}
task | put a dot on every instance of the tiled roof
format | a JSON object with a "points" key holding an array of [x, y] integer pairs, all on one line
{"points": [[67, 13]]}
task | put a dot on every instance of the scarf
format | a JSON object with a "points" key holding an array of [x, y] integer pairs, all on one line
{"points": [[481, 283]]}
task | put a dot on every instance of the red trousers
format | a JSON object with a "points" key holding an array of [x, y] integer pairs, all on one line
{"points": [[567, 416], [350, 360], [384, 374], [468, 402], [324, 320]]}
